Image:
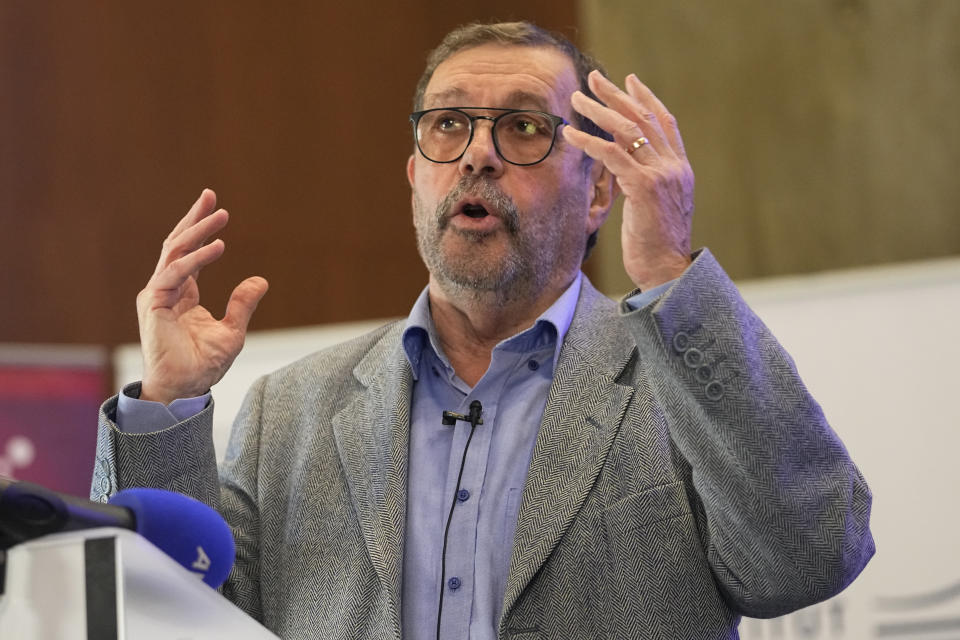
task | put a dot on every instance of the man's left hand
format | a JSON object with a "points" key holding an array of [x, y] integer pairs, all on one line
{"points": [[650, 165]]}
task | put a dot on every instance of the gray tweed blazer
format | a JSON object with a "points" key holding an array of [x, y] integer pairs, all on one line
{"points": [[682, 477]]}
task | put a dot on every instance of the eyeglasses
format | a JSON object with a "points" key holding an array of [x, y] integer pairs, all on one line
{"points": [[520, 136]]}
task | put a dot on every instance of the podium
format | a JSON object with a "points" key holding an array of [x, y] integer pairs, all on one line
{"points": [[111, 584]]}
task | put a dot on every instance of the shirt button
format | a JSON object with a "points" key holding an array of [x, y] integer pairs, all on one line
{"points": [[453, 583], [463, 495], [533, 365]]}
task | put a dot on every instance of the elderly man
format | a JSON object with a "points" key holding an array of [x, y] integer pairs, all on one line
{"points": [[521, 457]]}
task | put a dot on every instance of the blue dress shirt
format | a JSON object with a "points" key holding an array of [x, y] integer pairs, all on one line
{"points": [[513, 392]]}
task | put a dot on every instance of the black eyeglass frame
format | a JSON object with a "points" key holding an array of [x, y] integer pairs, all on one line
{"points": [[556, 120]]}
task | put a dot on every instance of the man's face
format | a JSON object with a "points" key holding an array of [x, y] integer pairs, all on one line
{"points": [[484, 225]]}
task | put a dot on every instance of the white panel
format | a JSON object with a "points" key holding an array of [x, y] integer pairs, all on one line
{"points": [[44, 575], [157, 599]]}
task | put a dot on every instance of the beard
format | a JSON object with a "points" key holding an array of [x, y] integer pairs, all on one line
{"points": [[511, 263]]}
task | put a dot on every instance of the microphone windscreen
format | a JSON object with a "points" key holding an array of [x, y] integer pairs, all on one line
{"points": [[187, 530]]}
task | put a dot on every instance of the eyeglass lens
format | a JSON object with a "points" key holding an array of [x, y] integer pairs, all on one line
{"points": [[523, 137]]}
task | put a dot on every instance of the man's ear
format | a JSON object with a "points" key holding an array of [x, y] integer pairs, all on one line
{"points": [[411, 161], [605, 191]]}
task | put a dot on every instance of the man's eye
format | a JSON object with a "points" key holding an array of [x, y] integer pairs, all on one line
{"points": [[527, 127], [448, 124]]}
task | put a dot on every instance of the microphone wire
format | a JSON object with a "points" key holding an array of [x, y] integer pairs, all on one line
{"points": [[475, 410]]}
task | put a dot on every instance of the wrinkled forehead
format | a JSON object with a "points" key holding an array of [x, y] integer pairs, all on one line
{"points": [[505, 76]]}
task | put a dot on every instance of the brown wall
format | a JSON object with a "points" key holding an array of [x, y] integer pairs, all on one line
{"points": [[824, 134], [114, 115]]}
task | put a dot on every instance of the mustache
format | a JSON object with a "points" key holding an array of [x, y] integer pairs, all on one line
{"points": [[503, 205]]}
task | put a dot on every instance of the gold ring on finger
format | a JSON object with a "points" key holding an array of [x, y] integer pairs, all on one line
{"points": [[636, 144]]}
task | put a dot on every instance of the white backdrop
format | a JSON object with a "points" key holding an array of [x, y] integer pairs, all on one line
{"points": [[879, 349]]}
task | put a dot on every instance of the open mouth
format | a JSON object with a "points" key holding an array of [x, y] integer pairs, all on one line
{"points": [[474, 211]]}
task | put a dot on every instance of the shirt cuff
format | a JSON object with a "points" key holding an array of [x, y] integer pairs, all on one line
{"points": [[146, 416], [641, 299]]}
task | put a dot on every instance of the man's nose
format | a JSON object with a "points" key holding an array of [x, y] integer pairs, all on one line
{"points": [[481, 156]]}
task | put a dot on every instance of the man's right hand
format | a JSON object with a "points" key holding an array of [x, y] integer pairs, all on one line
{"points": [[185, 349]]}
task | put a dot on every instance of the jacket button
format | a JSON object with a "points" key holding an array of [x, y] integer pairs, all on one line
{"points": [[714, 390], [704, 374], [681, 341], [453, 583], [693, 358]]}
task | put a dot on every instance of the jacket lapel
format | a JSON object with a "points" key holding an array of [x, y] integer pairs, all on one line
{"points": [[372, 435], [583, 414]]}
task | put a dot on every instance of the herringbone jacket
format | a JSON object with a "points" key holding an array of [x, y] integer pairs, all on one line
{"points": [[682, 476]]}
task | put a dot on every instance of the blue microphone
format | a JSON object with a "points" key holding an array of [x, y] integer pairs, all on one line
{"points": [[187, 530]]}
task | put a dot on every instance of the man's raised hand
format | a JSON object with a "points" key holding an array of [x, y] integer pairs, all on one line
{"points": [[185, 349], [652, 171]]}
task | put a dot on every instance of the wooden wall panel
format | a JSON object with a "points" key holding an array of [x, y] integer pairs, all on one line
{"points": [[114, 115]]}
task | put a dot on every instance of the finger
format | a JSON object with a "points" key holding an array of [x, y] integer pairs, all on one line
{"points": [[668, 121], [191, 238], [630, 108], [204, 206], [151, 299], [243, 302], [622, 128], [611, 154], [178, 271]]}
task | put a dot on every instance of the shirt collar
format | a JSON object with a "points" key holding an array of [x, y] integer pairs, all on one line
{"points": [[551, 326]]}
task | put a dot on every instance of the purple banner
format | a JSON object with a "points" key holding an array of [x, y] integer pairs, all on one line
{"points": [[48, 424]]}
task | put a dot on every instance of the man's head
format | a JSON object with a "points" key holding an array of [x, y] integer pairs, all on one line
{"points": [[485, 225], [521, 34]]}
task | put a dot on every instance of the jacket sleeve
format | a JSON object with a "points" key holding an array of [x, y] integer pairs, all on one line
{"points": [[783, 512], [181, 458]]}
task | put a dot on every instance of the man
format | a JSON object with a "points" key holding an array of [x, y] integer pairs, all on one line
{"points": [[649, 470]]}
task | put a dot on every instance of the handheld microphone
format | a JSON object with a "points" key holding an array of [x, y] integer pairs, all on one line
{"points": [[187, 530]]}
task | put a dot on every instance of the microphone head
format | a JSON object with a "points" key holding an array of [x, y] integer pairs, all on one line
{"points": [[187, 530]]}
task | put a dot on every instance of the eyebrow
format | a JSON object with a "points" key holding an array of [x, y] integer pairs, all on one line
{"points": [[432, 99], [515, 100]]}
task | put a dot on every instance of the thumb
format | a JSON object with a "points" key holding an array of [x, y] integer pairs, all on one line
{"points": [[243, 301]]}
